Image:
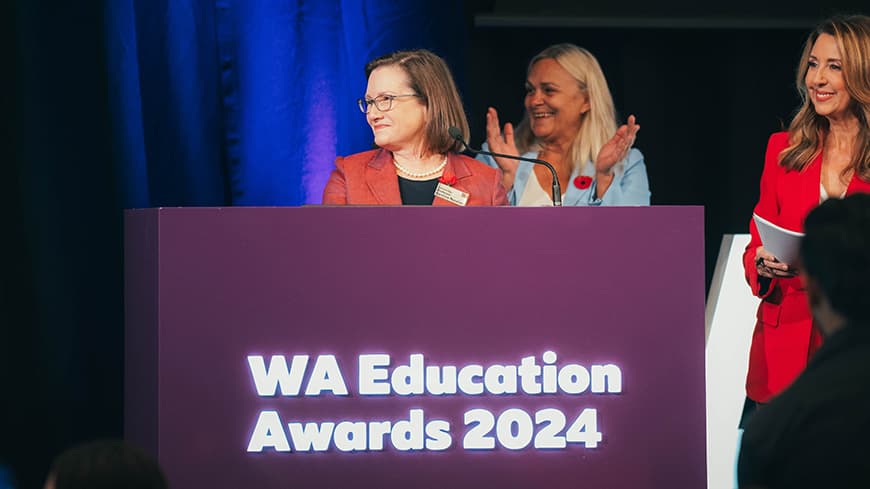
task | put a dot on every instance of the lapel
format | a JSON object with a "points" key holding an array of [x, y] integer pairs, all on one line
{"points": [[808, 191], [809, 188], [811, 184], [382, 180], [456, 166], [857, 185], [574, 195]]}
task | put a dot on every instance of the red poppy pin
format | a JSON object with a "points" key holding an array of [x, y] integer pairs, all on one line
{"points": [[582, 182], [447, 179]]}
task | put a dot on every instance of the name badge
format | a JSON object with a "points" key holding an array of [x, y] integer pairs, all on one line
{"points": [[450, 194]]}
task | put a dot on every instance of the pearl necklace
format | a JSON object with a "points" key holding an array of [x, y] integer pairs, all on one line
{"points": [[420, 174]]}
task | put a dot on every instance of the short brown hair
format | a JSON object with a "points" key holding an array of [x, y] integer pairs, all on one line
{"points": [[430, 78]]}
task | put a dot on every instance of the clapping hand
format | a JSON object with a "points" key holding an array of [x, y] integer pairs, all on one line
{"points": [[617, 147], [501, 142]]}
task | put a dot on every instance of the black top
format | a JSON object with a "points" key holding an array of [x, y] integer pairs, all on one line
{"points": [[417, 192], [816, 433]]}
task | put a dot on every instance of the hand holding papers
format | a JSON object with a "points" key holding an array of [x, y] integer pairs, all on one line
{"points": [[783, 243]]}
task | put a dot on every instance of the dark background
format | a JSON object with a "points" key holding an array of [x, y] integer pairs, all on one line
{"points": [[706, 100], [708, 84]]}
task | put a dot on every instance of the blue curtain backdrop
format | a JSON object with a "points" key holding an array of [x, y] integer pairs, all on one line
{"points": [[248, 102], [115, 104]]}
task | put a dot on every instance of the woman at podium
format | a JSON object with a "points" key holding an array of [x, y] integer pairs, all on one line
{"points": [[569, 122], [410, 103], [825, 154]]}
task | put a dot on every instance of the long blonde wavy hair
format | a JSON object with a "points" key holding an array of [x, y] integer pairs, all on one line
{"points": [[808, 129]]}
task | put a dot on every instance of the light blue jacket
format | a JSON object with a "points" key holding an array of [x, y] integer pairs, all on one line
{"points": [[630, 184]]}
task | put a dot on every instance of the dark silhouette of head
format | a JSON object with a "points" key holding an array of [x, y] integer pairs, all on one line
{"points": [[836, 258], [106, 464]]}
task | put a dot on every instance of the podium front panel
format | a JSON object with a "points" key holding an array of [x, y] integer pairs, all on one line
{"points": [[417, 347]]}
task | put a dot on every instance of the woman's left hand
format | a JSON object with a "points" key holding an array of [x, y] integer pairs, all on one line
{"points": [[617, 147]]}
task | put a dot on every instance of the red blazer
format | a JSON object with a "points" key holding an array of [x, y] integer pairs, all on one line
{"points": [[784, 336], [369, 178]]}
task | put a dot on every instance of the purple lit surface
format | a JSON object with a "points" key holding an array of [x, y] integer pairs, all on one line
{"points": [[208, 286]]}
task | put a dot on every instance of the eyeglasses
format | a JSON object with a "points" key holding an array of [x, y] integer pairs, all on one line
{"points": [[382, 102]]}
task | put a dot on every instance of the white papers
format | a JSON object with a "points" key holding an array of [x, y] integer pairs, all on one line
{"points": [[783, 243]]}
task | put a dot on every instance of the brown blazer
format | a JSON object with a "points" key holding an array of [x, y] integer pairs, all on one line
{"points": [[369, 178]]}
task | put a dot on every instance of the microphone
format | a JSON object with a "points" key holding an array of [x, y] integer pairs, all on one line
{"points": [[456, 134]]}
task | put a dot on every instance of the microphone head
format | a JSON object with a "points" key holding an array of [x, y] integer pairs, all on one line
{"points": [[456, 134]]}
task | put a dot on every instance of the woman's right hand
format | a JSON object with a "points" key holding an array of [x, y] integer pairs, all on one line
{"points": [[502, 142], [768, 266]]}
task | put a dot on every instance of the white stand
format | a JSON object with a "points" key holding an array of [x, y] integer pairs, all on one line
{"points": [[730, 318]]}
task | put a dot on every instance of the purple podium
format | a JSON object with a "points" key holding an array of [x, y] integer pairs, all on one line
{"points": [[388, 347]]}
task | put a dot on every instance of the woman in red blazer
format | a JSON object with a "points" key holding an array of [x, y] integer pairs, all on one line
{"points": [[825, 154], [411, 101]]}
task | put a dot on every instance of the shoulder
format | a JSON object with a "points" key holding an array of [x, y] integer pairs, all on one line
{"points": [[357, 159], [777, 142], [779, 138], [631, 164], [634, 157], [476, 167], [529, 153]]}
